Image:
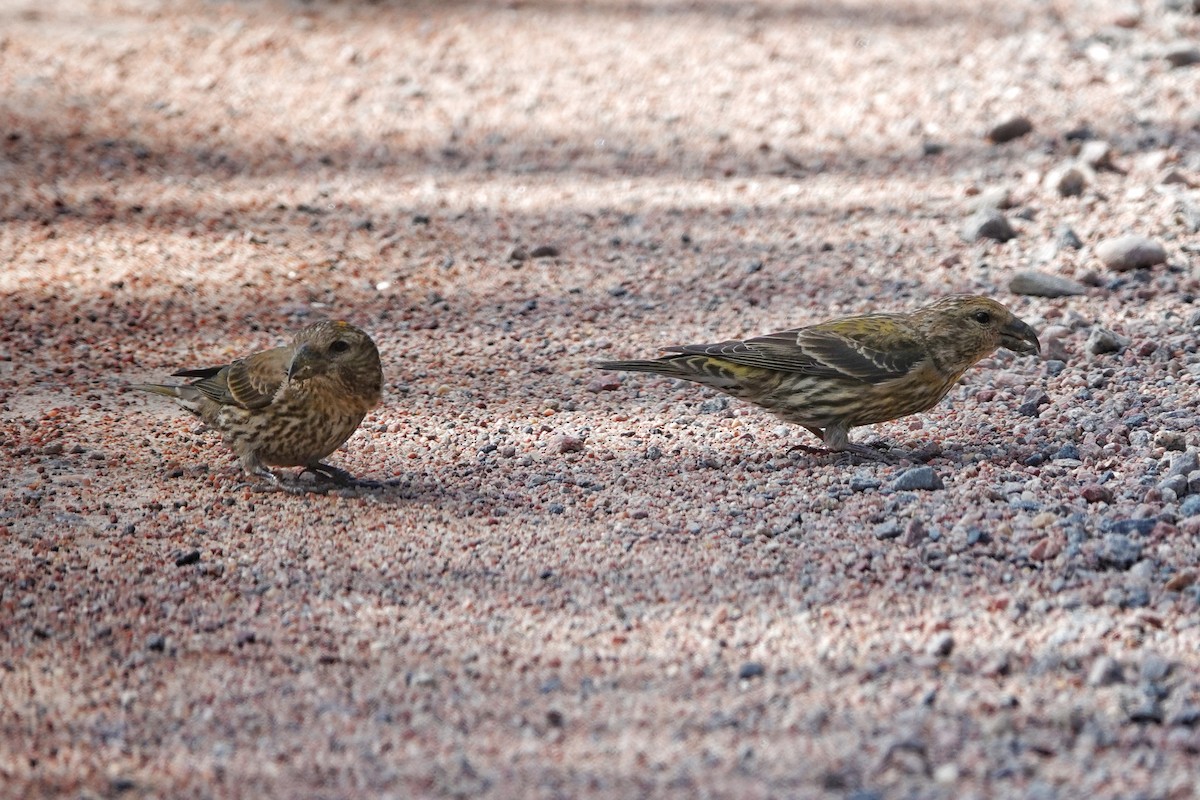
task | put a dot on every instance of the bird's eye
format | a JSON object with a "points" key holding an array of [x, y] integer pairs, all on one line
{"points": [[339, 346], [982, 317]]}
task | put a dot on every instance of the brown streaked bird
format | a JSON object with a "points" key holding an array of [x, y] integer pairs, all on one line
{"points": [[290, 406], [851, 371]]}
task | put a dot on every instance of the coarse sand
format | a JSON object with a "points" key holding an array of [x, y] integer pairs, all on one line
{"points": [[554, 581]]}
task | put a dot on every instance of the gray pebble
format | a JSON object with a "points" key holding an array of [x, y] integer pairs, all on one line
{"points": [[1054, 366], [861, 483], [751, 669], [714, 405], [1183, 54], [1176, 484], [1041, 284], [887, 530], [1102, 340], [918, 478], [987, 223], [1009, 129], [1130, 252], [1035, 398], [1154, 668], [1068, 238], [1105, 671], [940, 646], [1184, 463], [1118, 551], [1068, 180], [1190, 507], [1096, 153]]}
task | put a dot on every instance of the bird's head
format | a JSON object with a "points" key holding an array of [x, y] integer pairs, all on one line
{"points": [[970, 327], [340, 352]]}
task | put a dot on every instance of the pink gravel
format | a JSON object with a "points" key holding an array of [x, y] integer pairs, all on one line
{"points": [[565, 584]]}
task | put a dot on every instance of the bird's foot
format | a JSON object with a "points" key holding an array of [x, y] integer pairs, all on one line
{"points": [[329, 472], [851, 453]]}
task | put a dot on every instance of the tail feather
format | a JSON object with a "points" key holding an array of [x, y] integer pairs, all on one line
{"points": [[156, 388], [659, 366]]}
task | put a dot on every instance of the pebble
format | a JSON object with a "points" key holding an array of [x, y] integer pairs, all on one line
{"points": [[1096, 154], [1118, 551], [940, 646], [751, 669], [1183, 54], [888, 530], [1184, 464], [988, 223], [568, 444], [1094, 493], [1154, 668], [1068, 180], [1041, 284], [1009, 129], [1181, 580], [1105, 671], [190, 557], [605, 383], [1034, 399], [997, 197], [1190, 507], [861, 483], [544, 251], [1130, 252], [1068, 238], [918, 479], [1101, 340]]}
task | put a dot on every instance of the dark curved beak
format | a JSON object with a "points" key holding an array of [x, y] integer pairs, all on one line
{"points": [[306, 363], [1020, 338]]}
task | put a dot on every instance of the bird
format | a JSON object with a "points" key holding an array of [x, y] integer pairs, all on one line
{"points": [[289, 406], [851, 371]]}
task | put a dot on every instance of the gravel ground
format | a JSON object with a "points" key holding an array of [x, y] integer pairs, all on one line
{"points": [[567, 583]]}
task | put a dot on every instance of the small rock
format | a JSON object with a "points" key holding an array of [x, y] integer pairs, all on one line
{"points": [[1130, 252], [714, 405], [1174, 440], [1035, 398], [1118, 551], [1096, 154], [1105, 671], [606, 383], [1068, 180], [1068, 238], [568, 444], [1145, 710], [1094, 493], [1102, 340], [887, 530], [1041, 284], [1181, 580], [987, 223], [861, 483], [544, 251], [751, 669], [1190, 507], [1046, 548], [918, 479], [1154, 668], [1009, 129], [940, 646], [914, 532], [1182, 55], [518, 254], [1176, 484], [997, 197], [1054, 342], [156, 642], [190, 557]]}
